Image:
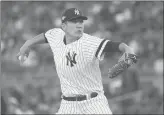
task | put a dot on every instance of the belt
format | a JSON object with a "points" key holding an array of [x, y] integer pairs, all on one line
{"points": [[80, 97]]}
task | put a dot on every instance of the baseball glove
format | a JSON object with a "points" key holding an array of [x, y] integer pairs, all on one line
{"points": [[124, 62]]}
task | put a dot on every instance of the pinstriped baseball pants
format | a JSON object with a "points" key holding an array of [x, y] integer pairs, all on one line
{"points": [[97, 105]]}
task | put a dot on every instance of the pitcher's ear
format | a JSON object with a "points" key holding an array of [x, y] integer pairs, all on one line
{"points": [[63, 26]]}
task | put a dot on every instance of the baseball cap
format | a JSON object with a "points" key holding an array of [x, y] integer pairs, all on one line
{"points": [[72, 13]]}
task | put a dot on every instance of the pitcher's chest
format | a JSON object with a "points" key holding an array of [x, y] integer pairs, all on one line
{"points": [[69, 56]]}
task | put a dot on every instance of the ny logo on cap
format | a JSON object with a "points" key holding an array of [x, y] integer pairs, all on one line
{"points": [[77, 12]]}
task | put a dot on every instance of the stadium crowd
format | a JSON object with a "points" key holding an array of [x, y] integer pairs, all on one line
{"points": [[33, 87]]}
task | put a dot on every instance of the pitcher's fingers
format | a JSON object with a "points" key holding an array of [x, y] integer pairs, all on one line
{"points": [[18, 55], [21, 58]]}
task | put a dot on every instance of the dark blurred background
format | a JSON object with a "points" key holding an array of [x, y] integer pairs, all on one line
{"points": [[33, 87]]}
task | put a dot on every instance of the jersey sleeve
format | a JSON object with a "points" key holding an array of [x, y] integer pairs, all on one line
{"points": [[50, 35], [53, 37], [112, 46], [93, 47]]}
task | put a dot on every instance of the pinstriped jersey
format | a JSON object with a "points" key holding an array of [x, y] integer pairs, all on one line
{"points": [[77, 63]]}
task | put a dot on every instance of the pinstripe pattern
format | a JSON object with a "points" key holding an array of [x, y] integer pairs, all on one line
{"points": [[82, 77]]}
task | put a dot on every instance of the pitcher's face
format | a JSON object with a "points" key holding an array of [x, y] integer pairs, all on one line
{"points": [[74, 27]]}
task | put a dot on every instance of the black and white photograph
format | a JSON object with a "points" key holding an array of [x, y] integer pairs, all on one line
{"points": [[81, 57]]}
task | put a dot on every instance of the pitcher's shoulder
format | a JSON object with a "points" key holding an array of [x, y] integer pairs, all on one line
{"points": [[89, 37], [55, 31]]}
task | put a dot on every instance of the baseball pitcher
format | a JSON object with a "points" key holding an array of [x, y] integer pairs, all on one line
{"points": [[76, 56]]}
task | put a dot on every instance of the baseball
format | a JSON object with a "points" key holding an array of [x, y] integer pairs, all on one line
{"points": [[19, 57], [24, 58]]}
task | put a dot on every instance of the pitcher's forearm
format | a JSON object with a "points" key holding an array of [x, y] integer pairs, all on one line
{"points": [[125, 48], [39, 39]]}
